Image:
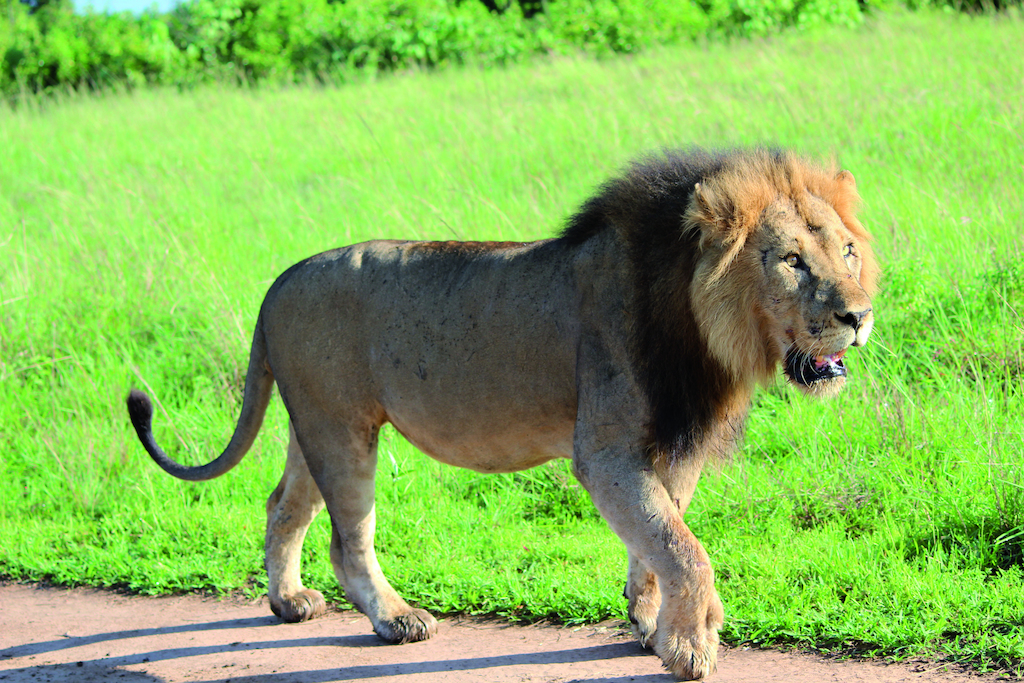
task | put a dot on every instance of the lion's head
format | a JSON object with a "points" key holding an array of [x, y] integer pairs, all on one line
{"points": [[741, 261], [778, 236]]}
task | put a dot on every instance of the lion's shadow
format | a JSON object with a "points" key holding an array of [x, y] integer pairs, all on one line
{"points": [[31, 649], [110, 665], [441, 667]]}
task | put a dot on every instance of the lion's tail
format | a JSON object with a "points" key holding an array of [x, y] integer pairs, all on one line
{"points": [[259, 382]]}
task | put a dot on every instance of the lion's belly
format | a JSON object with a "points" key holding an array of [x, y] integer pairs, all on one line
{"points": [[489, 405], [508, 448]]}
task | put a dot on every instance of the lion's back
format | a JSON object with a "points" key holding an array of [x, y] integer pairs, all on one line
{"points": [[451, 340]]}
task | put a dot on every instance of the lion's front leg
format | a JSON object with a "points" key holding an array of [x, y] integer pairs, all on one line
{"points": [[644, 601], [690, 618], [646, 515], [680, 480], [290, 510]]}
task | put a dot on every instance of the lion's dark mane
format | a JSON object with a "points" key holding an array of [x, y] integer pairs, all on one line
{"points": [[687, 388]]}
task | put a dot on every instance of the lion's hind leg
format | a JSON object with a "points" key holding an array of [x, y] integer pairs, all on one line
{"points": [[290, 510], [644, 598], [355, 564], [343, 460]]}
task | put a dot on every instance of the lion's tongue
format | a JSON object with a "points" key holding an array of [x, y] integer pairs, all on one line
{"points": [[833, 359]]}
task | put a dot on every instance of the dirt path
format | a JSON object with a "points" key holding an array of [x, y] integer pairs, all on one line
{"points": [[89, 635]]}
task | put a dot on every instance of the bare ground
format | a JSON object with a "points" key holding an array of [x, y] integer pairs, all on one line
{"points": [[87, 635]]}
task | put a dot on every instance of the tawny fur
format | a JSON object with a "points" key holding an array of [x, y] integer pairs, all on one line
{"points": [[630, 344]]}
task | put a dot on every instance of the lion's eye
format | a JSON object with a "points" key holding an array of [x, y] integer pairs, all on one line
{"points": [[793, 261], [848, 251]]}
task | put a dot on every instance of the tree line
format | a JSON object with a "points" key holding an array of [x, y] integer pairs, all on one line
{"points": [[46, 44]]}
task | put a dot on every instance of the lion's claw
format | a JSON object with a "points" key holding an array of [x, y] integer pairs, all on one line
{"points": [[644, 632]]}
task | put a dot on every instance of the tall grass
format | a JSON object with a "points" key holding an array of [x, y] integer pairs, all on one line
{"points": [[139, 232]]}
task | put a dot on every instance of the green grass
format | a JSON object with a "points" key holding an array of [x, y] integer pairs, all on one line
{"points": [[139, 232]]}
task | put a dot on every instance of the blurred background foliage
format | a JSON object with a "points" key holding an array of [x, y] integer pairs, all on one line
{"points": [[46, 44]]}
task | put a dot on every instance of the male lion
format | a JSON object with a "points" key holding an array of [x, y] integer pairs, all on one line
{"points": [[631, 344]]}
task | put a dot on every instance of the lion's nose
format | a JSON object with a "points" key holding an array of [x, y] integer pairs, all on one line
{"points": [[853, 318]]}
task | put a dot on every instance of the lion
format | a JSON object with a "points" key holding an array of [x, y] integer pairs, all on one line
{"points": [[631, 344]]}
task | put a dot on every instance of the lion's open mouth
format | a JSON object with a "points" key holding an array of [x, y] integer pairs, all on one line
{"points": [[805, 369]]}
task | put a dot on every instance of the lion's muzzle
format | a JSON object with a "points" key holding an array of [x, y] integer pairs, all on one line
{"points": [[807, 370], [861, 322]]}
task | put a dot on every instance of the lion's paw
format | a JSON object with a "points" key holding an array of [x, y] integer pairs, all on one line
{"points": [[643, 619], [407, 628], [644, 633], [302, 606], [693, 656], [690, 659]]}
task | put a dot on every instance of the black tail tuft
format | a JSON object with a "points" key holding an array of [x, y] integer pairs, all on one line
{"points": [[140, 410]]}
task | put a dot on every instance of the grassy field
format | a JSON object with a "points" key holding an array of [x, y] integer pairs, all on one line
{"points": [[138, 234]]}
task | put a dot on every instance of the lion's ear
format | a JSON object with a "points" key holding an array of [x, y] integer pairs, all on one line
{"points": [[698, 196], [702, 207], [714, 214], [846, 178]]}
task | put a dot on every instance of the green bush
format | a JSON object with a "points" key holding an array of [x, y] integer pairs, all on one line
{"points": [[55, 46], [254, 40]]}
